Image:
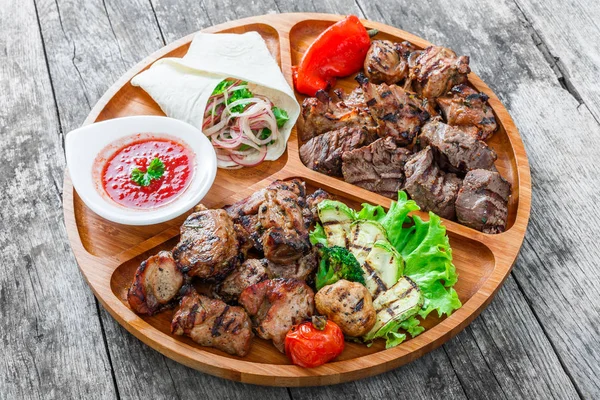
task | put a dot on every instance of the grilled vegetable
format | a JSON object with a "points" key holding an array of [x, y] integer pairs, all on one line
{"points": [[336, 218], [383, 267], [311, 344], [338, 263], [363, 234]]}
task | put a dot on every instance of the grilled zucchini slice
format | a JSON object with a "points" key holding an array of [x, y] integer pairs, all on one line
{"points": [[336, 218]]}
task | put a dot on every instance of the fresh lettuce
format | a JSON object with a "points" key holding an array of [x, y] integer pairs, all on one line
{"points": [[317, 235]]}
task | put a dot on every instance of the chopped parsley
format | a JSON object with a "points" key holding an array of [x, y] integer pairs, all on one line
{"points": [[155, 171]]}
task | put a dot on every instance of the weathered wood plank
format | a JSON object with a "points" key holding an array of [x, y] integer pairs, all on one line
{"points": [[556, 270], [51, 339]]}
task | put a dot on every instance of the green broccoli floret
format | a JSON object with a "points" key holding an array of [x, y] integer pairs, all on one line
{"points": [[338, 263]]}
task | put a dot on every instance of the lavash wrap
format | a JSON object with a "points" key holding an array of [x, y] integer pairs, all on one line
{"points": [[182, 86]]}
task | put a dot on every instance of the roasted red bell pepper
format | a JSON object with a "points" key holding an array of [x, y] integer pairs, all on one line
{"points": [[339, 51]]}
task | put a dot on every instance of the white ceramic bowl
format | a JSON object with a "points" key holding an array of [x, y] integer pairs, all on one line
{"points": [[83, 145]]}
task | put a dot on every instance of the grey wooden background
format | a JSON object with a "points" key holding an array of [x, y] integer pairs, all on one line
{"points": [[538, 339]]}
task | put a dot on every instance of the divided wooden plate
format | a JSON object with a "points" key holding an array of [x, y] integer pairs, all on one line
{"points": [[109, 253]]}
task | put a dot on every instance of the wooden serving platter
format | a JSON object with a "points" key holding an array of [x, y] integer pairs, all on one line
{"points": [[109, 253]]}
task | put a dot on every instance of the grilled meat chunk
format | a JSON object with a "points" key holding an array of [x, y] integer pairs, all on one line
{"points": [[468, 110], [321, 114], [398, 113], [211, 322], [156, 284], [387, 62], [348, 304], [430, 187], [246, 274], [482, 202], [455, 150], [300, 269], [378, 167], [276, 305], [356, 98], [210, 246], [312, 201], [324, 153], [436, 70]]}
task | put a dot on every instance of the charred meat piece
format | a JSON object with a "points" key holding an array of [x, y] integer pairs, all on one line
{"points": [[455, 150], [356, 98], [246, 274], [276, 305], [430, 187], [321, 114], [378, 167], [156, 284], [211, 322], [324, 153], [398, 113], [299, 269], [436, 70], [312, 201], [468, 110], [387, 62], [348, 304], [209, 246], [482, 203]]}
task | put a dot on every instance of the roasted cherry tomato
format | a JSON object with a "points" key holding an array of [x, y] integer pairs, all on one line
{"points": [[311, 344]]}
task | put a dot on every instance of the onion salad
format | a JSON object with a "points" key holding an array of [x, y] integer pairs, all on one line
{"points": [[241, 125]]}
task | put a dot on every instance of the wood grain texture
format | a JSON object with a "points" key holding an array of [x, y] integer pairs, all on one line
{"points": [[49, 326]]}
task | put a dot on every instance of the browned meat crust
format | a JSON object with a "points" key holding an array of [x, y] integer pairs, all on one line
{"points": [[300, 269], [211, 322], [156, 284], [246, 274], [387, 62], [276, 305]]}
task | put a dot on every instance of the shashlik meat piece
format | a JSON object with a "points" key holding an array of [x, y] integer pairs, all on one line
{"points": [[299, 269], [356, 98], [455, 150], [482, 202], [156, 284], [213, 323], [432, 189], [323, 153], [398, 113], [468, 110], [321, 114], [436, 70], [246, 274], [348, 304], [378, 167], [210, 246], [275, 305], [387, 62], [310, 211]]}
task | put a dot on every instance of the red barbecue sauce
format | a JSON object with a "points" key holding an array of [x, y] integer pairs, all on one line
{"points": [[116, 174]]}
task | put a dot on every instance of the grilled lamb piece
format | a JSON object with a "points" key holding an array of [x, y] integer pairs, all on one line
{"points": [[156, 284], [378, 167], [430, 187], [246, 274], [310, 211], [210, 247], [482, 202], [455, 150], [387, 62], [300, 269], [211, 322], [436, 70], [356, 98], [321, 114], [398, 113], [324, 152], [468, 110], [276, 305]]}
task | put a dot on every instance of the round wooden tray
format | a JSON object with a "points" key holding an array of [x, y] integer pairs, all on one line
{"points": [[109, 253]]}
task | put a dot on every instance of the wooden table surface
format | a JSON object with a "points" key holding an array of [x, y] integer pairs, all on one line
{"points": [[539, 338]]}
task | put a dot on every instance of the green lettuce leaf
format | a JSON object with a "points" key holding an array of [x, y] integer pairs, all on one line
{"points": [[317, 235], [396, 218], [371, 212]]}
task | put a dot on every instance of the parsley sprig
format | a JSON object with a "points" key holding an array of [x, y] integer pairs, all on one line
{"points": [[155, 171]]}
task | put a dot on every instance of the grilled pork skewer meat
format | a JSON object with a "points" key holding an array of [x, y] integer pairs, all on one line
{"points": [[156, 284], [387, 62], [468, 110], [211, 322], [398, 112], [436, 70], [276, 305], [455, 150], [246, 274], [300, 269], [482, 203], [432, 189], [210, 246]]}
